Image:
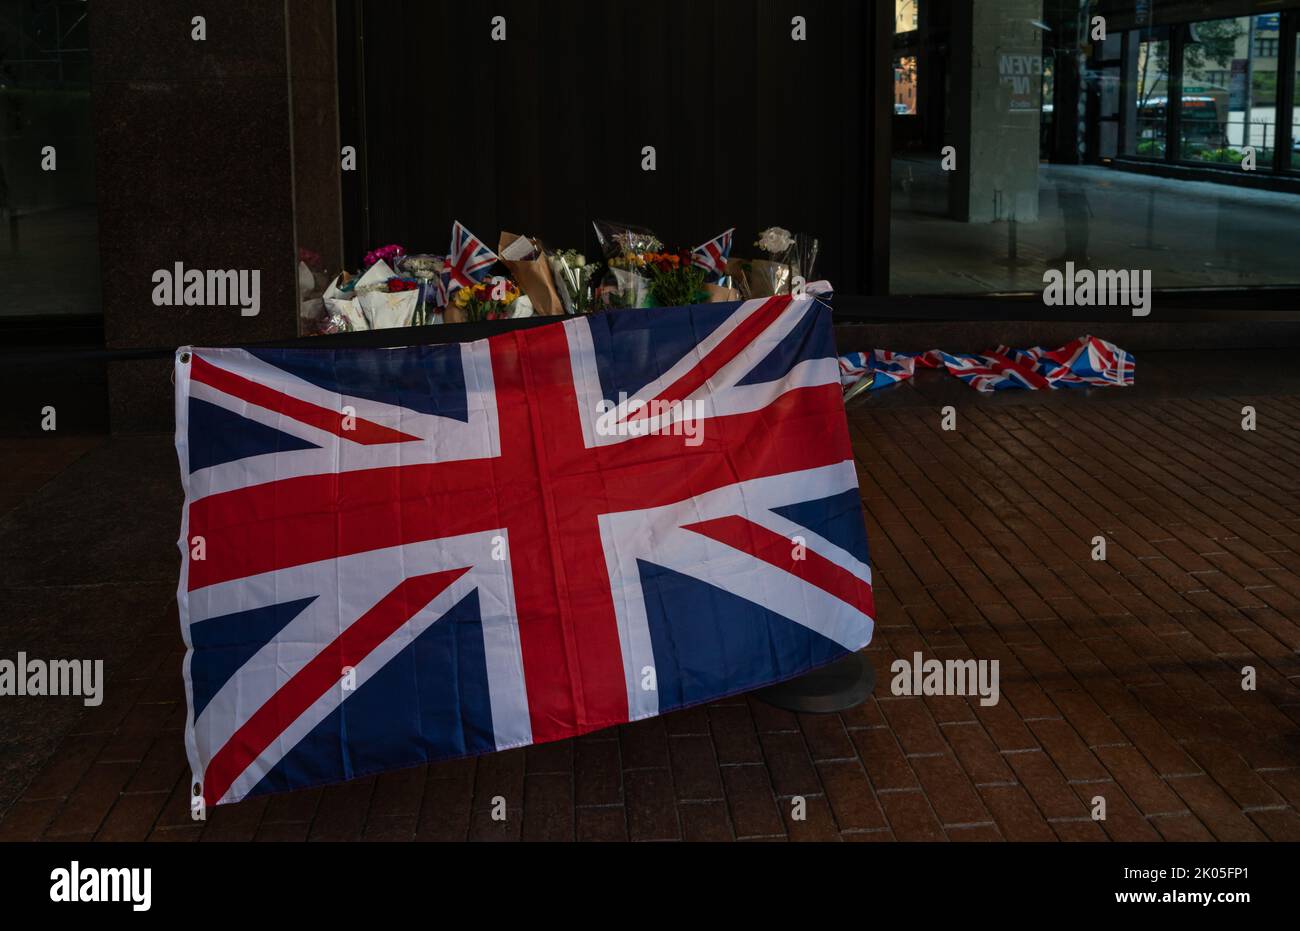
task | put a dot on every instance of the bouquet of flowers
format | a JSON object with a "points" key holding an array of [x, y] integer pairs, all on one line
{"points": [[674, 280], [627, 283], [788, 255], [385, 299], [526, 263], [388, 254], [427, 270], [488, 300], [573, 275], [342, 302]]}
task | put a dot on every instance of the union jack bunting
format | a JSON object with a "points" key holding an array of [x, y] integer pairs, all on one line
{"points": [[469, 260], [713, 255], [889, 367], [1084, 362], [853, 367], [394, 556]]}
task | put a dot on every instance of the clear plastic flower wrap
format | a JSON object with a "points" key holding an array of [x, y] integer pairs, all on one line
{"points": [[620, 238], [786, 255], [427, 269], [574, 278], [330, 322], [805, 256], [626, 283]]}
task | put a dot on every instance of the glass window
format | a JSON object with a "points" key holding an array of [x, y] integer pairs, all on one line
{"points": [[905, 85], [1037, 146], [906, 15], [1229, 97], [1215, 94], [1148, 87], [49, 240], [1295, 109]]}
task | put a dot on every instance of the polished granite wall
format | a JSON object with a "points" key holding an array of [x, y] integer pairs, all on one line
{"points": [[313, 80], [195, 164]]}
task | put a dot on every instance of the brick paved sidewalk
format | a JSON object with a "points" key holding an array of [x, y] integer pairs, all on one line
{"points": [[1119, 679]]}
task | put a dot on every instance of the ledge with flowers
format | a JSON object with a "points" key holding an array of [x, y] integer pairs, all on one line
{"points": [[524, 278]]}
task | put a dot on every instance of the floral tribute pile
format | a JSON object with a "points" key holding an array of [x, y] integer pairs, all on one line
{"points": [[472, 283]]}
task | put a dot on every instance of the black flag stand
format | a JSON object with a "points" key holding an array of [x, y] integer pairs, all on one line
{"points": [[836, 687]]}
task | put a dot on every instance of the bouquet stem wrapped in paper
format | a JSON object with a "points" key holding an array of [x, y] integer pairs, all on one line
{"points": [[341, 300], [528, 266], [759, 277], [721, 294], [386, 300]]}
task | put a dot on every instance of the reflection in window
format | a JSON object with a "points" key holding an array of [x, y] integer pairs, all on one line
{"points": [[1035, 188], [905, 15], [1150, 88], [1215, 95], [49, 245], [1265, 47], [905, 85], [1295, 109], [1230, 96]]}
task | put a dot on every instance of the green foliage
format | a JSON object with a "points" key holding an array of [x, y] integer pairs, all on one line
{"points": [[1215, 41], [677, 287], [1225, 156]]}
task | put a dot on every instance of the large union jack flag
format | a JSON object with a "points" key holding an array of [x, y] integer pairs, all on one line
{"points": [[420, 553]]}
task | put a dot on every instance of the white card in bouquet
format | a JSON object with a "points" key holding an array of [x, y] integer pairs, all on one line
{"points": [[521, 250]]}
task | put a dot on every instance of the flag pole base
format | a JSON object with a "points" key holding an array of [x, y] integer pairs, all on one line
{"points": [[838, 686]]}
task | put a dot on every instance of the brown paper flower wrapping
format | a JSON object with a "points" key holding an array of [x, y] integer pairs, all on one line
{"points": [[759, 277], [534, 278], [720, 295]]}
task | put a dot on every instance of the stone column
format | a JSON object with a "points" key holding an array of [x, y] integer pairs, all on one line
{"points": [[996, 108], [195, 163]]}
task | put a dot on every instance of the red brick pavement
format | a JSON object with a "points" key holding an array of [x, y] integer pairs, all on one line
{"points": [[1120, 679]]}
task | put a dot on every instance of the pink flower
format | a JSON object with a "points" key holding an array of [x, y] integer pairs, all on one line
{"points": [[389, 254]]}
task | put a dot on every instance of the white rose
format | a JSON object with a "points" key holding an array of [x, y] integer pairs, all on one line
{"points": [[775, 240]]}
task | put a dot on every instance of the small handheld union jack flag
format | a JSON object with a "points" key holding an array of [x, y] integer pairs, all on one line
{"points": [[713, 255], [469, 260]]}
